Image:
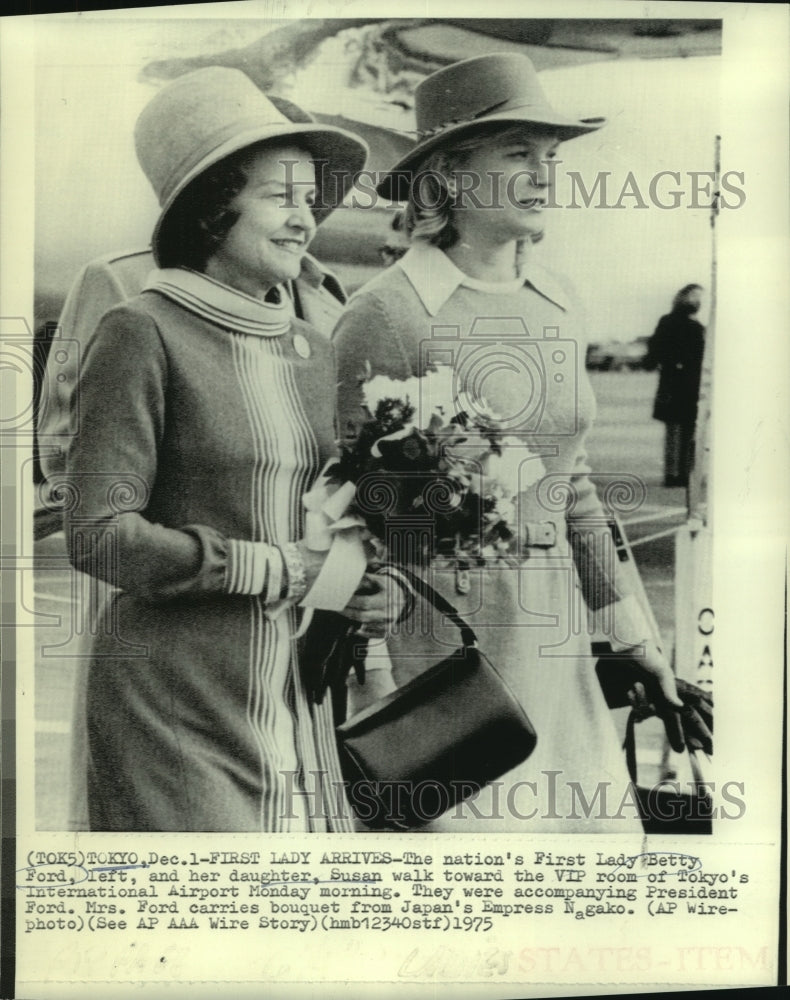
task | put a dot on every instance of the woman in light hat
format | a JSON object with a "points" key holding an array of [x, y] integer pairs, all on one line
{"points": [[205, 411], [477, 185]]}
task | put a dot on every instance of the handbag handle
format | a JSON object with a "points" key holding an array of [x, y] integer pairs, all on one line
{"points": [[630, 746], [630, 753], [433, 597]]}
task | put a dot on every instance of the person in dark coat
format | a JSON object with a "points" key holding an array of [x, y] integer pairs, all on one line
{"points": [[676, 349]]}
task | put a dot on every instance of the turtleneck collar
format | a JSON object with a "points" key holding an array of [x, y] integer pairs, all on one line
{"points": [[219, 303]]}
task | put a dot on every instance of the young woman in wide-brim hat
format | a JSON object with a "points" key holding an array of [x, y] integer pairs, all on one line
{"points": [[476, 186], [206, 410]]}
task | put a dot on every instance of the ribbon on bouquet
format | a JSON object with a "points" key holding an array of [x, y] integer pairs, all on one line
{"points": [[404, 432], [328, 528]]}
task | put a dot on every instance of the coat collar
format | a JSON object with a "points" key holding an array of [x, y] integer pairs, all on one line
{"points": [[435, 277], [317, 276], [316, 296], [220, 304]]}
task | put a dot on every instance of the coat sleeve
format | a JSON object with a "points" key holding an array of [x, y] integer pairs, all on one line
{"points": [[117, 432], [613, 609], [656, 349], [95, 290]]}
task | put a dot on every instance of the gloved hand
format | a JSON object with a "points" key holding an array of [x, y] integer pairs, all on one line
{"points": [[625, 682]]}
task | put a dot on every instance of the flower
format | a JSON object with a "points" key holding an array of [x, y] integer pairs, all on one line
{"points": [[433, 393], [438, 391], [380, 388], [393, 415], [505, 511], [515, 466]]}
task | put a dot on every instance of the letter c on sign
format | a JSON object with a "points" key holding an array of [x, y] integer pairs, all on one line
{"points": [[705, 621]]}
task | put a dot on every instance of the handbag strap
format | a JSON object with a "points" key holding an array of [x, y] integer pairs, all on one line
{"points": [[427, 592], [630, 746]]}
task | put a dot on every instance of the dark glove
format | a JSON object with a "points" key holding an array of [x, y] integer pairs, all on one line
{"points": [[330, 648], [691, 727], [696, 716]]}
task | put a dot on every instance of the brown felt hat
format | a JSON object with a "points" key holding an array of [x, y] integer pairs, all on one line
{"points": [[456, 100], [200, 118]]}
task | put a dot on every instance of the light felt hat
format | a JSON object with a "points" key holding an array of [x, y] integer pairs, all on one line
{"points": [[502, 87], [204, 116]]}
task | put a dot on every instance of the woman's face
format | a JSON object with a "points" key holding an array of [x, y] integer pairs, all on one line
{"points": [[692, 301], [512, 181], [267, 242]]}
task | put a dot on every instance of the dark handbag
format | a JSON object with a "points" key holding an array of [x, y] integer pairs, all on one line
{"points": [[436, 741]]}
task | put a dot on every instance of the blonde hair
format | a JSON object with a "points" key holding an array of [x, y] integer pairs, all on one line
{"points": [[428, 215]]}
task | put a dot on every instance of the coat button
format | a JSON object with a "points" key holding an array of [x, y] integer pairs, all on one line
{"points": [[301, 345]]}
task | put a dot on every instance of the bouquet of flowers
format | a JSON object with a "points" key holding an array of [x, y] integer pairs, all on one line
{"points": [[424, 458], [424, 464]]}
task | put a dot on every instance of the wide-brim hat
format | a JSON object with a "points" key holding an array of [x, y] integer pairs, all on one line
{"points": [[200, 118], [473, 94]]}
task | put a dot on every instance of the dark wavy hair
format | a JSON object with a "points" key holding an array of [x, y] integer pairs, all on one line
{"points": [[201, 217], [680, 297]]}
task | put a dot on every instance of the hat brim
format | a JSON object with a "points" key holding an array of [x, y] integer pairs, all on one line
{"points": [[344, 155], [395, 184]]}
